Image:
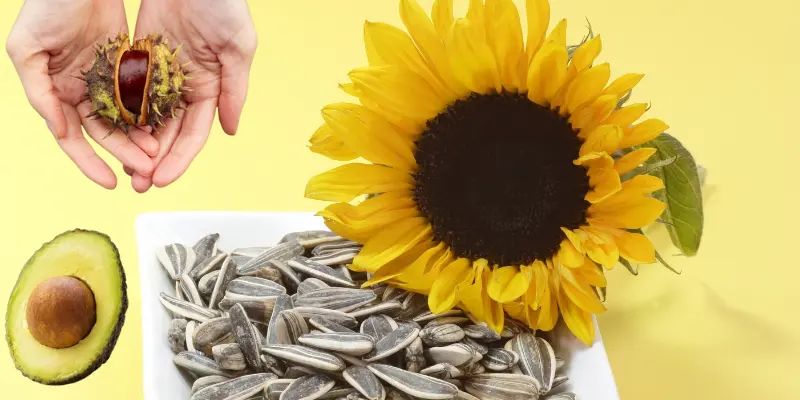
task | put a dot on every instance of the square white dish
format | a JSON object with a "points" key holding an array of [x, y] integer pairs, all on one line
{"points": [[588, 369]]}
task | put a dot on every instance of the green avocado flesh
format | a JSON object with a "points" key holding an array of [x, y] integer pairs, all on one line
{"points": [[93, 258]]}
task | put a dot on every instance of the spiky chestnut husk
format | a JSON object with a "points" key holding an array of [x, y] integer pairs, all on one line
{"points": [[137, 84]]}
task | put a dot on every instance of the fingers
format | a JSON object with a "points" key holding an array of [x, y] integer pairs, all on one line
{"points": [[195, 128], [145, 141], [234, 82], [115, 142], [166, 138], [74, 144], [33, 73]]}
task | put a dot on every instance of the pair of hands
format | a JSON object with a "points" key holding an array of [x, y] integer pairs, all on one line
{"points": [[52, 41]]}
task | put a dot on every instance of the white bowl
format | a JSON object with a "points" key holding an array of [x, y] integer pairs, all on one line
{"points": [[588, 368]]}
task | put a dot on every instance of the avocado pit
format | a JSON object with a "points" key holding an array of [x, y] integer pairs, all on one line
{"points": [[61, 312]]}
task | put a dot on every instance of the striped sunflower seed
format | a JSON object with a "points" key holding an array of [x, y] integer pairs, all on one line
{"points": [[395, 341], [378, 326], [242, 387], [189, 287], [290, 277], [333, 246], [376, 308], [414, 384], [229, 356], [309, 285], [319, 271], [365, 382], [206, 283], [302, 355], [251, 287], [308, 387], [563, 396], [440, 335], [199, 364], [226, 274], [481, 333], [206, 381], [328, 326], [206, 247], [274, 388], [311, 238], [343, 256], [536, 359], [245, 336], [189, 335], [355, 344], [209, 265], [499, 359], [187, 309], [415, 356], [297, 371], [211, 333], [175, 258], [282, 303], [336, 298], [442, 371], [330, 315], [426, 316], [281, 252], [289, 326], [456, 354], [503, 386]]}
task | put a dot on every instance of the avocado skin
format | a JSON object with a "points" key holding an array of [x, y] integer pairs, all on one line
{"points": [[112, 340]]}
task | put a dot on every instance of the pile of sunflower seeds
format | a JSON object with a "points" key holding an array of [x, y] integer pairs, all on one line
{"points": [[290, 322]]}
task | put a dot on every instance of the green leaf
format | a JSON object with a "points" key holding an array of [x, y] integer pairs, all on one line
{"points": [[682, 194]]}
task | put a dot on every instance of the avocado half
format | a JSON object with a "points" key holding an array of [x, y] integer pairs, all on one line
{"points": [[78, 270]]}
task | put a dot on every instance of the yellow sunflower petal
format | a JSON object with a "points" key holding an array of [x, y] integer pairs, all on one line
{"points": [[591, 274], [504, 36], [603, 178], [581, 294], [471, 58], [546, 73], [606, 255], [632, 160], [442, 16], [569, 255], [392, 242], [508, 283], [347, 181], [632, 192], [581, 60], [477, 17], [627, 115], [362, 221], [636, 247], [623, 84], [443, 292], [406, 126], [587, 87], [548, 312], [538, 287], [429, 43], [369, 135], [559, 34], [421, 274], [397, 266], [394, 47], [538, 17], [604, 139], [578, 321], [574, 238], [494, 318], [643, 132], [398, 91], [472, 295], [324, 142], [635, 215], [586, 119]]}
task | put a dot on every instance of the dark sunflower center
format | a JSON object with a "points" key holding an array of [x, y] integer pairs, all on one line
{"points": [[496, 178]]}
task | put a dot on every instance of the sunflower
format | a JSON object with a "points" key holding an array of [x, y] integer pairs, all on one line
{"points": [[493, 165]]}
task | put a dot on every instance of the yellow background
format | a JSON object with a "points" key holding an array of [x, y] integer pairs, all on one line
{"points": [[723, 75]]}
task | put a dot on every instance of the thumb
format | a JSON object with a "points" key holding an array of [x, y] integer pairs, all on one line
{"points": [[33, 73], [233, 92]]}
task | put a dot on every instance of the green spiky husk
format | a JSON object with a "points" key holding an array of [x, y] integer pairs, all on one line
{"points": [[164, 92]]}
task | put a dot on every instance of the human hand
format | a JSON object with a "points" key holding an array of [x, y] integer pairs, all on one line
{"points": [[219, 39], [51, 42]]}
